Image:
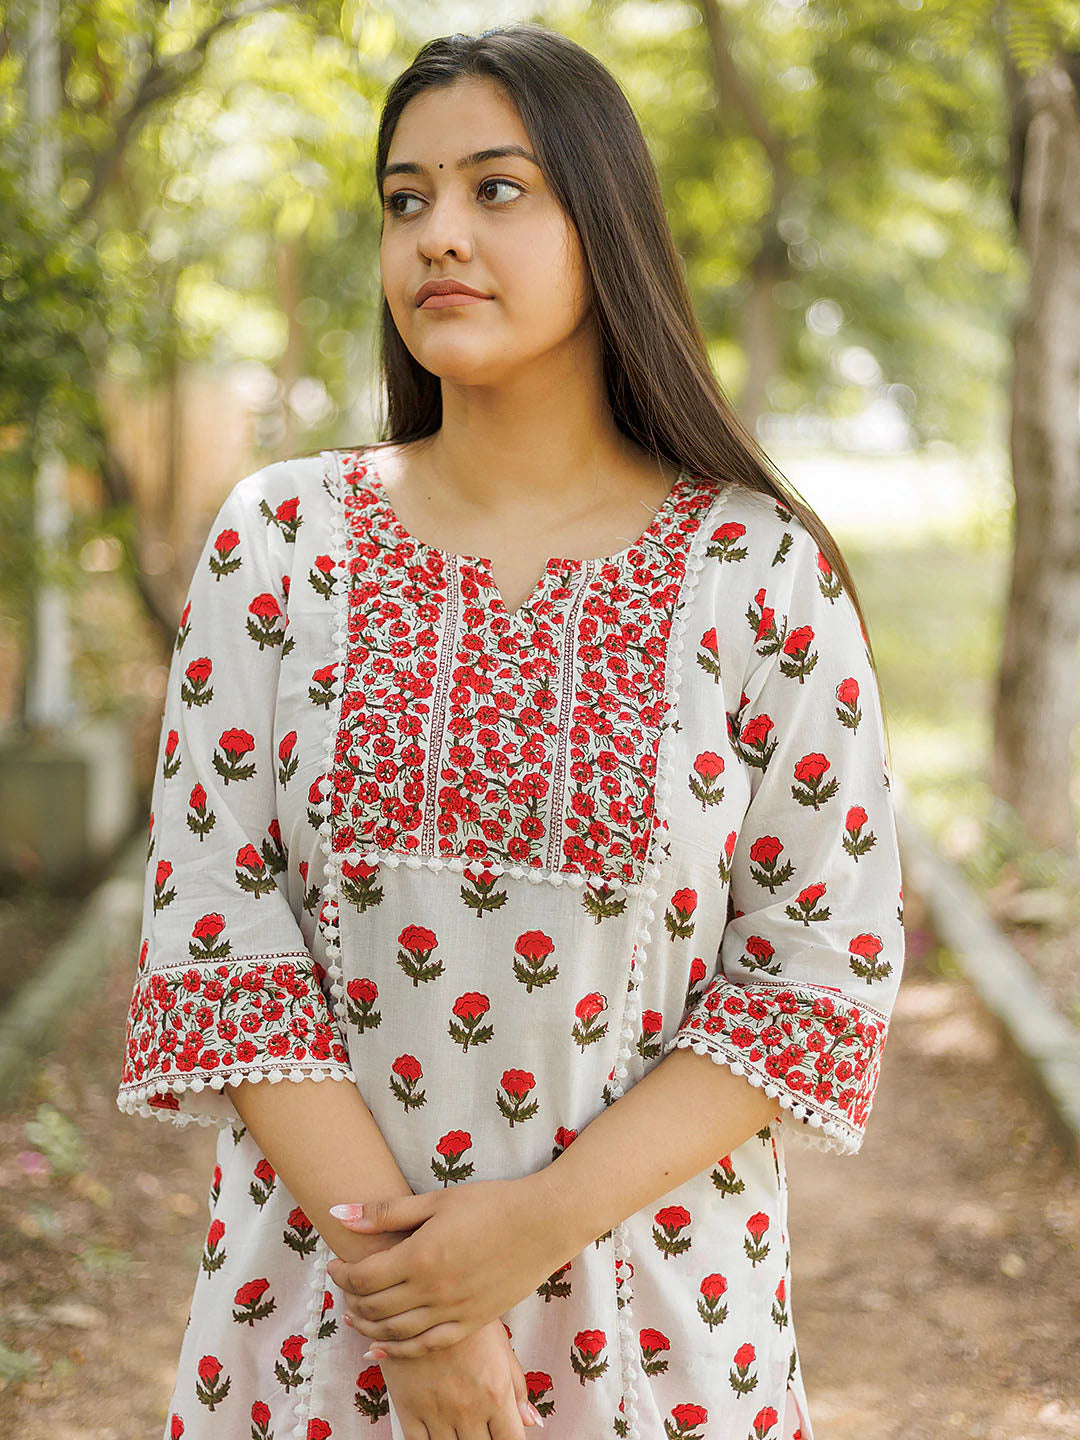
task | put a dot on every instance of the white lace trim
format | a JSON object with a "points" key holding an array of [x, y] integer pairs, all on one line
{"points": [[331, 887], [538, 875], [311, 1338], [133, 1099], [817, 1132], [196, 963], [695, 561]]}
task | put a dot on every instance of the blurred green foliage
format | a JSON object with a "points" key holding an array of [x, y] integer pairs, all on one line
{"points": [[16, 1365], [58, 1138], [96, 1255]]}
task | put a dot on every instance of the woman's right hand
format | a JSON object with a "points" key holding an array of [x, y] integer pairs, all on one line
{"points": [[467, 1391]]}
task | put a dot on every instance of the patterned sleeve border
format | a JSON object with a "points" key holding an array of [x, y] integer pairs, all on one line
{"points": [[251, 1007], [812, 1047]]}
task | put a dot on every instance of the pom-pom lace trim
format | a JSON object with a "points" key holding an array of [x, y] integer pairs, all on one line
{"points": [[815, 1131], [695, 561], [331, 886], [537, 875], [134, 1099], [302, 1411]]}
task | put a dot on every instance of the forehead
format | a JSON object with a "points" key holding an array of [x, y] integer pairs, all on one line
{"points": [[444, 122]]}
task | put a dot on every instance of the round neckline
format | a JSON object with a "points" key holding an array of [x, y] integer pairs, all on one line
{"points": [[367, 455]]}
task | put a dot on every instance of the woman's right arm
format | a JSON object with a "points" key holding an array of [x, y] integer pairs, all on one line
{"points": [[321, 1139], [323, 1142], [226, 986]]}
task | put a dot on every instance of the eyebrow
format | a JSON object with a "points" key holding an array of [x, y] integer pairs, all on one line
{"points": [[478, 157]]}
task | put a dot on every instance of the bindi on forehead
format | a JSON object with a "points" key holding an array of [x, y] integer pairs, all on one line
{"points": [[467, 162]]}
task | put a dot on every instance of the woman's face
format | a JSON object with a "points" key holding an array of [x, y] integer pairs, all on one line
{"points": [[493, 224]]}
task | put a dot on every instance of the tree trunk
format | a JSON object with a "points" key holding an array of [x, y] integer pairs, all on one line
{"points": [[759, 320], [1036, 706]]}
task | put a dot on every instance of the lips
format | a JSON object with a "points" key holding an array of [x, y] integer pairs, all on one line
{"points": [[454, 299], [448, 287]]}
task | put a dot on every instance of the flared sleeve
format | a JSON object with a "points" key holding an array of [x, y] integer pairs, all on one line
{"points": [[810, 958], [226, 988]]}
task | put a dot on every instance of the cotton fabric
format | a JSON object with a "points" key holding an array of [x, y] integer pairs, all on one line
{"points": [[491, 868]]}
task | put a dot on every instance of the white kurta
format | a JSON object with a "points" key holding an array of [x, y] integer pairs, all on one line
{"points": [[491, 868]]}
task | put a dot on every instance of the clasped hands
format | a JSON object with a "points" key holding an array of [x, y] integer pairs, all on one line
{"points": [[474, 1250]]}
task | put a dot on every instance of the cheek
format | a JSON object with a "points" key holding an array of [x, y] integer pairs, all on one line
{"points": [[391, 271], [545, 291]]}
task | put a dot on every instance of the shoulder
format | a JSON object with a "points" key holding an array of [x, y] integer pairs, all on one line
{"points": [[279, 509], [284, 490], [763, 575], [752, 538]]}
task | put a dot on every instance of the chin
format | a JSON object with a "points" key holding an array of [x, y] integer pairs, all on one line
{"points": [[464, 369]]}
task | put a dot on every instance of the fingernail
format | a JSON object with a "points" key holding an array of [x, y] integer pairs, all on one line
{"points": [[527, 1411], [347, 1212], [374, 1353], [536, 1415]]}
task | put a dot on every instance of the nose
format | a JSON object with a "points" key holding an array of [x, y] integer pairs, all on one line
{"points": [[444, 229]]}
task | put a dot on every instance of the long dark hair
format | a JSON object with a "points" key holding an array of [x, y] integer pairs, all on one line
{"points": [[659, 383]]}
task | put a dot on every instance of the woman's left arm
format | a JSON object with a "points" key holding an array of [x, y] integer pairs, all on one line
{"points": [[676, 1121], [794, 1017], [432, 1289]]}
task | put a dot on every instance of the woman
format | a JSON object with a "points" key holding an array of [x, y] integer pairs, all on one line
{"points": [[523, 799]]}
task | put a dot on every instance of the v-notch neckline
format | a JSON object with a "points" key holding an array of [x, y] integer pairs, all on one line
{"points": [[458, 561]]}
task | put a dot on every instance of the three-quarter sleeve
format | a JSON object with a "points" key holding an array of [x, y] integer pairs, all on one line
{"points": [[226, 989], [811, 955]]}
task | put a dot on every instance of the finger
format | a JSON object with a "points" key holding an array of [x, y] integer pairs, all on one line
{"points": [[339, 1272], [437, 1338], [380, 1270], [506, 1423], [398, 1330], [472, 1430], [399, 1212], [385, 1307], [521, 1388]]}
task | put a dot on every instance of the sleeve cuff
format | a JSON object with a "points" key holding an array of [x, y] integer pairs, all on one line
{"points": [[814, 1048], [191, 1030]]}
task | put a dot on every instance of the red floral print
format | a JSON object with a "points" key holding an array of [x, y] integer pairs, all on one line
{"points": [[490, 869], [546, 755]]}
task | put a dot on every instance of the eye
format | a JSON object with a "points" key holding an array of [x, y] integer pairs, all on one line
{"points": [[390, 201], [488, 183]]}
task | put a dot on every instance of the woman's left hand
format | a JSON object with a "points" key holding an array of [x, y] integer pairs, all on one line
{"points": [[476, 1250]]}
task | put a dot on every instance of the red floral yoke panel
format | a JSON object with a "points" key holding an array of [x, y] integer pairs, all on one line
{"points": [[528, 741]]}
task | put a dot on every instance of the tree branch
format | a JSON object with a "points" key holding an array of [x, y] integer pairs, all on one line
{"points": [[158, 83], [730, 85]]}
